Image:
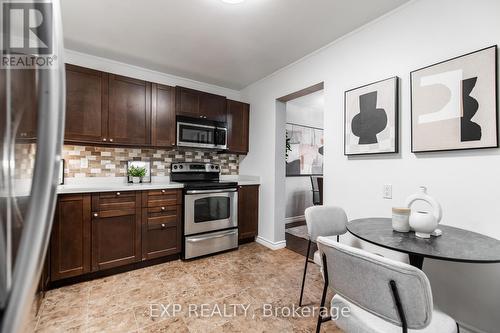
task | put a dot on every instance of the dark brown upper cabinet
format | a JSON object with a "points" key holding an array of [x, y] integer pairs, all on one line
{"points": [[24, 104], [129, 111], [86, 105], [70, 239], [199, 104], [163, 116], [238, 114]]}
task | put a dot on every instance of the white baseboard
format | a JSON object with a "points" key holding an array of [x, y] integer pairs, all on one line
{"points": [[295, 219], [269, 244], [465, 328]]}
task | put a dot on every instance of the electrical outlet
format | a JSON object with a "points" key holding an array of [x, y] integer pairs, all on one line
{"points": [[387, 191]]}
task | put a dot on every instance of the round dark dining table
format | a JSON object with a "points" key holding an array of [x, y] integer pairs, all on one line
{"points": [[453, 245]]}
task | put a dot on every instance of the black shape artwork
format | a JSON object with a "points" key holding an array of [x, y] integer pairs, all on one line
{"points": [[369, 121], [470, 131]]}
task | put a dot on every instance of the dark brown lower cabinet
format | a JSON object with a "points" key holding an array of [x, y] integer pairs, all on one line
{"points": [[70, 239], [116, 229], [161, 231], [248, 212]]}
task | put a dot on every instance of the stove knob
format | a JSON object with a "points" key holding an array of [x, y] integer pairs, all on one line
{"points": [[175, 167], [212, 167], [217, 167], [181, 166]]}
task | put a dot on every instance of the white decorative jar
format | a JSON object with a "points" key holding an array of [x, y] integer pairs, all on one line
{"points": [[401, 219], [136, 180], [422, 222]]}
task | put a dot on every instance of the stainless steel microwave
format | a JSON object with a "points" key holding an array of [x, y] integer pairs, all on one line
{"points": [[201, 134]]}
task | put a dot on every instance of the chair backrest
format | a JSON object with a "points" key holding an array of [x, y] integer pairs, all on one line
{"points": [[364, 279], [325, 221]]}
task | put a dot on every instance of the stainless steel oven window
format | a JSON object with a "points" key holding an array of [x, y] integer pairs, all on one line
{"points": [[212, 208]]}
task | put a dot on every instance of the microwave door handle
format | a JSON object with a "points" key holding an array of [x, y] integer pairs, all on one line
{"points": [[39, 217]]}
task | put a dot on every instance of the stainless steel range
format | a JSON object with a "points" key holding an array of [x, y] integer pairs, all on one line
{"points": [[210, 209]]}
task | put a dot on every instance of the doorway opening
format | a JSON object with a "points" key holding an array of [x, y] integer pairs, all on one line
{"points": [[304, 151]]}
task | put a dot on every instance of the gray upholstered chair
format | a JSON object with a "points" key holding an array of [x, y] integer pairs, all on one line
{"points": [[326, 221], [382, 295]]}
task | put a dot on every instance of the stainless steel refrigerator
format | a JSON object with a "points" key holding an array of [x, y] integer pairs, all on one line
{"points": [[32, 104]]}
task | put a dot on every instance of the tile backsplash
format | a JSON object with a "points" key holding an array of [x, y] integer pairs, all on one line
{"points": [[89, 161]]}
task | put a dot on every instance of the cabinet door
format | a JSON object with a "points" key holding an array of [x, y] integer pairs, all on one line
{"points": [[161, 231], [237, 126], [24, 102], [213, 107], [70, 239], [129, 120], [248, 211], [116, 229], [86, 105], [187, 102], [163, 116]]}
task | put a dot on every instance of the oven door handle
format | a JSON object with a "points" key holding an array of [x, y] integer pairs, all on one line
{"points": [[225, 190], [201, 239]]}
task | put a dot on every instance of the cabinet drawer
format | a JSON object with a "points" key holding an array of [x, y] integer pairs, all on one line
{"points": [[162, 222], [114, 201], [162, 198], [161, 231]]}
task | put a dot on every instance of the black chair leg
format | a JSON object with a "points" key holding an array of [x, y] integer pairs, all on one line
{"points": [[305, 271], [323, 297]]}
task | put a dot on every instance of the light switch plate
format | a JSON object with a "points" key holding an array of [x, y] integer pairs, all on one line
{"points": [[387, 191]]}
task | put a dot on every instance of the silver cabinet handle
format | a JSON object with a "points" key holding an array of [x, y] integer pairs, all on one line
{"points": [[201, 239], [110, 140], [163, 225], [163, 208], [96, 215], [118, 194], [162, 191], [104, 139]]}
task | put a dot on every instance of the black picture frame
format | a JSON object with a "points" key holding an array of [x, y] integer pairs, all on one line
{"points": [[308, 174], [496, 107], [396, 117]]}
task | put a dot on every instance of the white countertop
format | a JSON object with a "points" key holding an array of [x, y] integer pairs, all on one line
{"points": [[112, 184]]}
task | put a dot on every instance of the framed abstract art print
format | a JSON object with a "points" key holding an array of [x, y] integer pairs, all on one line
{"points": [[371, 118], [454, 103]]}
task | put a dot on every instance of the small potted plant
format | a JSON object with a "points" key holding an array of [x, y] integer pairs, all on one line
{"points": [[137, 173]]}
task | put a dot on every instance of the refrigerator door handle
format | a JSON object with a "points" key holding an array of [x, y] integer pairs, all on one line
{"points": [[38, 221]]}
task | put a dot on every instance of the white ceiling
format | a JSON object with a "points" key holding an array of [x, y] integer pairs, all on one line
{"points": [[211, 41]]}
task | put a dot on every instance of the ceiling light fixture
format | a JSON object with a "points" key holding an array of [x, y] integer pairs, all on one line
{"points": [[233, 2]]}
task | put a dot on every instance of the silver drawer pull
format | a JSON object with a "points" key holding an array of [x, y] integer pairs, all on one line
{"points": [[96, 215], [162, 191], [163, 208], [201, 239], [163, 225], [118, 193]]}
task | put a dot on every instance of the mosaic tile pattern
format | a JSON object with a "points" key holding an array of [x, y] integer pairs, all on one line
{"points": [[253, 276], [88, 161], [24, 159]]}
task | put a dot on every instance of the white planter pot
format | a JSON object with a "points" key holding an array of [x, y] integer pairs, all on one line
{"points": [[424, 223], [136, 180]]}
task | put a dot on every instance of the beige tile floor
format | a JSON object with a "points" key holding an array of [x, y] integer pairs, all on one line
{"points": [[252, 276]]}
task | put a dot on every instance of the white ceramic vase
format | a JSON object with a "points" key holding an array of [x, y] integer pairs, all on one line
{"points": [[422, 222], [136, 180]]}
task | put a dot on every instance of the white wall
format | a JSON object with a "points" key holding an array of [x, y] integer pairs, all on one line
{"points": [[298, 189], [466, 183], [120, 68]]}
